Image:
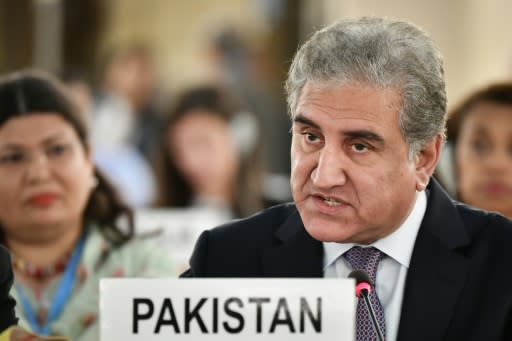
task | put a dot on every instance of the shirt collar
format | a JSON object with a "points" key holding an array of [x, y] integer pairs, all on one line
{"points": [[398, 245]]}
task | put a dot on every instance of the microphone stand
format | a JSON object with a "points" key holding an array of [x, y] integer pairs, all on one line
{"points": [[364, 293]]}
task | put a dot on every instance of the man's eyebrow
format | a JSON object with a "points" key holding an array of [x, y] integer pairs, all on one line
{"points": [[365, 134], [304, 120]]}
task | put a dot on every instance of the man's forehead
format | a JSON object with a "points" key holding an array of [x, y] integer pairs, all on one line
{"points": [[345, 101]]}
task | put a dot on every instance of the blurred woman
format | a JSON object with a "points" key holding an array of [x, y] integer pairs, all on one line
{"points": [[61, 220], [480, 132], [210, 155]]}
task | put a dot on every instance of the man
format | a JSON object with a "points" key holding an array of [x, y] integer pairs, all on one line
{"points": [[7, 315], [367, 101]]}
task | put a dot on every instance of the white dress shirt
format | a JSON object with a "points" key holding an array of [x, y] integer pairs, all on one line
{"points": [[392, 270]]}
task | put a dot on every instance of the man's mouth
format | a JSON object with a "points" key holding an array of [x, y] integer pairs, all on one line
{"points": [[332, 202]]}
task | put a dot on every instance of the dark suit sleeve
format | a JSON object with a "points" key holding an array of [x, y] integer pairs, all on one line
{"points": [[199, 258], [508, 326], [7, 303]]}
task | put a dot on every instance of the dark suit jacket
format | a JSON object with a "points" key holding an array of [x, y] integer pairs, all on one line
{"points": [[7, 315], [458, 286]]}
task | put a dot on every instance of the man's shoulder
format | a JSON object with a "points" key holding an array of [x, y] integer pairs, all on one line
{"points": [[485, 226], [449, 218], [234, 249]]}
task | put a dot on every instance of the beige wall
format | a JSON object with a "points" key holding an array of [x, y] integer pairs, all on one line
{"points": [[474, 36], [177, 30]]}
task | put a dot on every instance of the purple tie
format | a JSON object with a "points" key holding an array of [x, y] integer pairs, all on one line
{"points": [[367, 259]]}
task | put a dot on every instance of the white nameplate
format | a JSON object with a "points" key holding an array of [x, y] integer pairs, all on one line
{"points": [[227, 309]]}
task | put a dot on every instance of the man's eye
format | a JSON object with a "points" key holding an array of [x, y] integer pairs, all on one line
{"points": [[311, 137], [359, 148]]}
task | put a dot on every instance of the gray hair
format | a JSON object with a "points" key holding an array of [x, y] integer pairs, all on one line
{"points": [[383, 53]]}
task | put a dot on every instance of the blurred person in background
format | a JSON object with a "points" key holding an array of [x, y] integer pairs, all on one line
{"points": [[7, 303], [124, 166], [480, 136], [242, 68], [80, 90], [129, 72], [209, 155], [62, 221], [126, 101]]}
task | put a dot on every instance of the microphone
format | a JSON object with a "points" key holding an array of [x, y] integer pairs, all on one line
{"points": [[364, 287]]}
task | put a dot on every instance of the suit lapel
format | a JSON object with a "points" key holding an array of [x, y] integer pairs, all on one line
{"points": [[437, 271], [295, 253]]}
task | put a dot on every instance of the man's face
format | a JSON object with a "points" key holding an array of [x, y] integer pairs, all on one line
{"points": [[352, 180]]}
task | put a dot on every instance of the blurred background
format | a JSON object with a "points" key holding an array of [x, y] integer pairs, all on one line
{"points": [[475, 36], [128, 62], [245, 43]]}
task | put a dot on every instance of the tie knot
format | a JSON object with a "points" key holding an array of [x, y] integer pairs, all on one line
{"points": [[364, 258]]}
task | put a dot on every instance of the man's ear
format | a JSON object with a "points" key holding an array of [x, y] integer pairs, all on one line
{"points": [[426, 161]]}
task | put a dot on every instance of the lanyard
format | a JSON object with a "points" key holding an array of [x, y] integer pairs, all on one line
{"points": [[61, 296]]}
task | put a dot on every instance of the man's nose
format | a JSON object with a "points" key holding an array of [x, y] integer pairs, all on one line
{"points": [[330, 170]]}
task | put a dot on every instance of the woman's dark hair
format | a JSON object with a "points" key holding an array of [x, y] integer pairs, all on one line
{"points": [[31, 92], [174, 190], [499, 93]]}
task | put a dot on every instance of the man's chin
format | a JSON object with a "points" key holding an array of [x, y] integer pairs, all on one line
{"points": [[329, 233]]}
